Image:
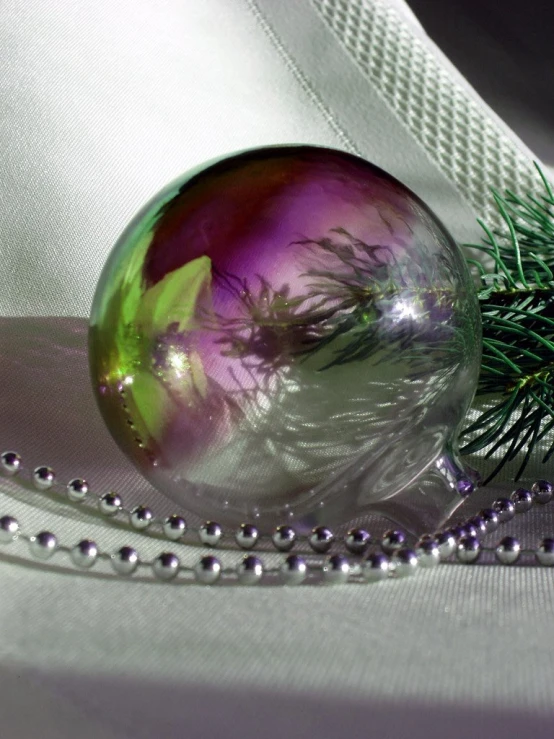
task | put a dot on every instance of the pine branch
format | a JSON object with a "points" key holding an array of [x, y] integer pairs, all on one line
{"points": [[517, 310]]}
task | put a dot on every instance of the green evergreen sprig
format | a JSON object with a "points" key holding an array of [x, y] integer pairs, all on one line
{"points": [[517, 309]]}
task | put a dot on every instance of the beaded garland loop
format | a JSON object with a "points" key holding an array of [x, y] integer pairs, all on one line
{"points": [[320, 556]]}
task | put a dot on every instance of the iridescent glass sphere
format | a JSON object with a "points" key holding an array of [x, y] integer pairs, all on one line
{"points": [[285, 335]]}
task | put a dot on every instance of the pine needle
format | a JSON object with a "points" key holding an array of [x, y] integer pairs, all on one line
{"points": [[517, 311]]}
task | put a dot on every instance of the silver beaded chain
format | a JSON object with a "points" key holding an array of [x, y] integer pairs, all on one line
{"points": [[393, 559]]}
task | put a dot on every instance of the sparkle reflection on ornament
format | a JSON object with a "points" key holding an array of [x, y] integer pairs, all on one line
{"points": [[287, 333], [405, 310]]}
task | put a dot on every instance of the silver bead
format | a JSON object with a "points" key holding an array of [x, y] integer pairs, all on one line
{"points": [[125, 561], [478, 524], [9, 529], [428, 554], [376, 567], [174, 527], [508, 550], [468, 549], [77, 490], [210, 534], [43, 545], [166, 566], [110, 503], [505, 509], [459, 531], [522, 499], [336, 570], [404, 562], [85, 553], [247, 536], [321, 539], [542, 491], [446, 543], [392, 541], [208, 570], [284, 538], [545, 552], [141, 517], [490, 517], [43, 477], [426, 537], [250, 570], [294, 570], [357, 541], [11, 462]]}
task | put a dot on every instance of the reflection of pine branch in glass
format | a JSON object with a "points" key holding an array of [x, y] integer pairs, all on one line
{"points": [[358, 299], [348, 352], [356, 278], [272, 326]]}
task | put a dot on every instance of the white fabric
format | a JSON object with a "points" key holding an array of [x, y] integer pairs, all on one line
{"points": [[101, 105]]}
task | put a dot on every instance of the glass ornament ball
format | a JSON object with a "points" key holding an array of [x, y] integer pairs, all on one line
{"points": [[286, 335]]}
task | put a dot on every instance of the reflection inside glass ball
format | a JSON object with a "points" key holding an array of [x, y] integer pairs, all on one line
{"points": [[287, 334]]}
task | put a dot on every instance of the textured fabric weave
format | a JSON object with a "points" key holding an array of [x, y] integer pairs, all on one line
{"points": [[472, 147]]}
